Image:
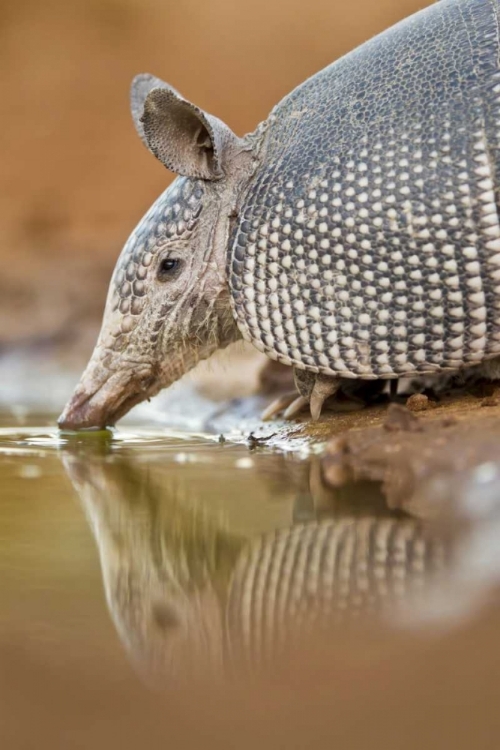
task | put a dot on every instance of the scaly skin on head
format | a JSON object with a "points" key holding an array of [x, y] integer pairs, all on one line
{"points": [[168, 304]]}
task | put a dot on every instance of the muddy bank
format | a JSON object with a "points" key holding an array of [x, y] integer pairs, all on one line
{"points": [[407, 449]]}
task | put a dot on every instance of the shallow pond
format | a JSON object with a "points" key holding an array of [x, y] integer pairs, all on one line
{"points": [[192, 557], [184, 526]]}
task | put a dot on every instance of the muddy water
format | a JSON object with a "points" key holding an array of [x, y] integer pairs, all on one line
{"points": [[177, 533], [160, 559]]}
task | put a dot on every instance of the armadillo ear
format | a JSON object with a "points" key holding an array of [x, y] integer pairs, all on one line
{"points": [[139, 89], [185, 139]]}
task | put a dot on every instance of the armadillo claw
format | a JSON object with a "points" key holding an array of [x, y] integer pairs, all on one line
{"points": [[295, 407], [317, 389], [289, 402], [315, 405], [276, 406], [323, 388]]}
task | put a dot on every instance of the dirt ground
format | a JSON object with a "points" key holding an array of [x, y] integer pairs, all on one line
{"points": [[421, 460], [75, 178]]}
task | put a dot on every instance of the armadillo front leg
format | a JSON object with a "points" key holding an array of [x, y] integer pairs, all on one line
{"points": [[314, 389]]}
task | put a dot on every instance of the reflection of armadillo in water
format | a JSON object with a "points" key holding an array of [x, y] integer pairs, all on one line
{"points": [[354, 235], [187, 597], [321, 573]]}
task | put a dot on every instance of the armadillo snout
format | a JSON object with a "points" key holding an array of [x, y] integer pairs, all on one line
{"points": [[79, 414], [96, 405]]}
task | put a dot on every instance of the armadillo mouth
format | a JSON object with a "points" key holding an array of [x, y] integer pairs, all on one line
{"points": [[97, 407]]}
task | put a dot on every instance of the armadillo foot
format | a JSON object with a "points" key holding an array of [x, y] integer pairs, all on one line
{"points": [[313, 390], [280, 403], [323, 388]]}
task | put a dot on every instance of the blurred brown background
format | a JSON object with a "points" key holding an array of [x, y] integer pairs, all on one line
{"points": [[75, 178]]}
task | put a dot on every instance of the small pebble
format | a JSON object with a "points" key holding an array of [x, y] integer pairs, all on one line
{"points": [[418, 402]]}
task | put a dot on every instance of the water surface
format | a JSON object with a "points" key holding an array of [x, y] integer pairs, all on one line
{"points": [[174, 557]]}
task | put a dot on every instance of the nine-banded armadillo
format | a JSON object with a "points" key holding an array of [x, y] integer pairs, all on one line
{"points": [[355, 234]]}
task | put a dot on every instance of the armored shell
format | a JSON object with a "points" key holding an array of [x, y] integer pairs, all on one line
{"points": [[368, 243]]}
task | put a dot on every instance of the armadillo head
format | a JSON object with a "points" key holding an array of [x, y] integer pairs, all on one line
{"points": [[168, 304]]}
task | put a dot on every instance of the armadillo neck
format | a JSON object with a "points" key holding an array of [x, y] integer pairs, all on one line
{"points": [[369, 241]]}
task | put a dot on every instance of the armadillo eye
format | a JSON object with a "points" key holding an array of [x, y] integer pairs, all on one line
{"points": [[167, 268]]}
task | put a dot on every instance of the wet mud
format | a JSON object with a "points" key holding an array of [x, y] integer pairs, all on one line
{"points": [[407, 448]]}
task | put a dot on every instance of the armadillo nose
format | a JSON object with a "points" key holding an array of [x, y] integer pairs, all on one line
{"points": [[102, 398], [83, 413]]}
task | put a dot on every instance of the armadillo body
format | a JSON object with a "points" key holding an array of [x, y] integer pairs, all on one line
{"points": [[368, 243], [355, 234]]}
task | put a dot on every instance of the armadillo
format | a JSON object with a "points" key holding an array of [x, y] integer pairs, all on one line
{"points": [[353, 236]]}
